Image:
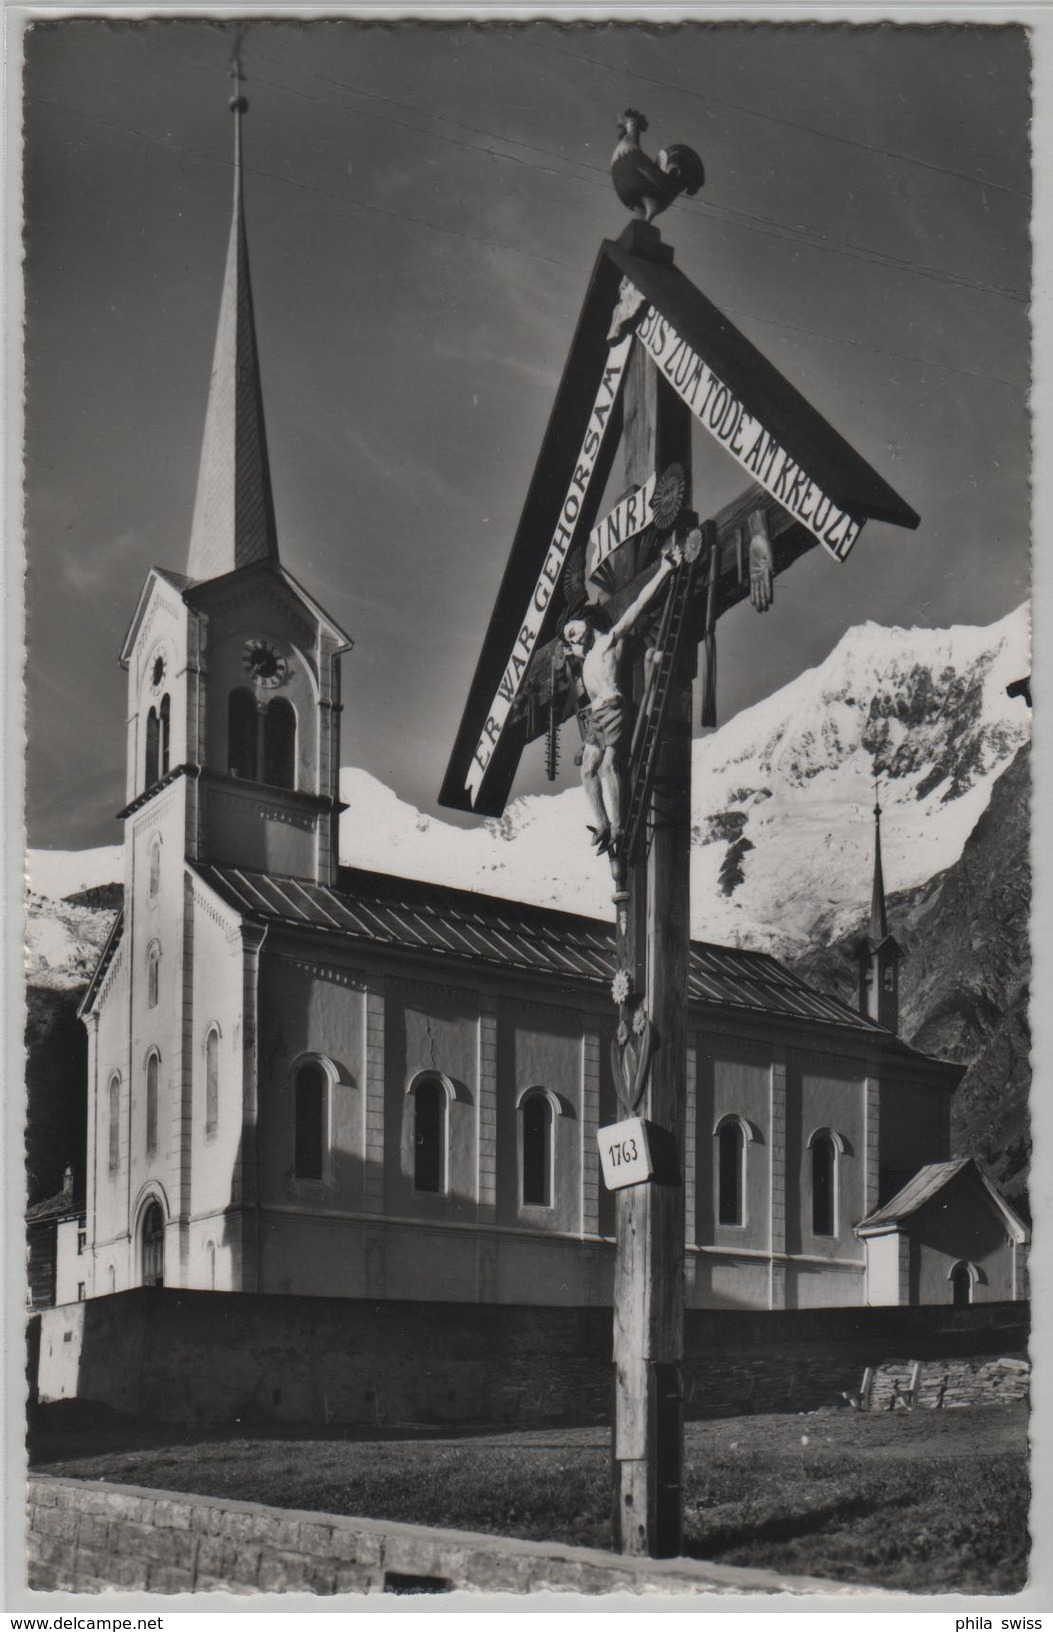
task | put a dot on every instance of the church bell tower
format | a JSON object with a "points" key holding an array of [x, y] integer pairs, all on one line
{"points": [[234, 682], [233, 764]]}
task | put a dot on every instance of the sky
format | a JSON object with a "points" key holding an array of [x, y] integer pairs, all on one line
{"points": [[424, 205]]}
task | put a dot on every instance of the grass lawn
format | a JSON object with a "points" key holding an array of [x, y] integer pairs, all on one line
{"points": [[932, 1501]]}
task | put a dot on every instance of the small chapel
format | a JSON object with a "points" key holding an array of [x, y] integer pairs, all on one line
{"points": [[310, 1079]]}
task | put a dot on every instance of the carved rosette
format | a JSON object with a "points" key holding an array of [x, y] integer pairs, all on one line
{"points": [[633, 1044]]}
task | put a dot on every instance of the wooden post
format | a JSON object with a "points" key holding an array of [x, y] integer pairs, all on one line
{"points": [[653, 943]]}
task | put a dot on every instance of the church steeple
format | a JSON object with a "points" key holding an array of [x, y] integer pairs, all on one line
{"points": [[878, 953], [878, 918], [233, 522]]}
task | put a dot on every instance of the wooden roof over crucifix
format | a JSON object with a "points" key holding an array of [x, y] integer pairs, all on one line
{"points": [[812, 485]]}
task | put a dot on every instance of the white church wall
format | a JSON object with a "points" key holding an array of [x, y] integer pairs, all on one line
{"points": [[725, 1281], [431, 1029], [883, 1268], [540, 1048], [825, 1286], [960, 1225], [108, 1149], [71, 1275], [154, 841], [214, 979], [915, 1123], [396, 1259], [312, 1009], [309, 1253], [825, 1094], [157, 668], [261, 828], [734, 1080]]}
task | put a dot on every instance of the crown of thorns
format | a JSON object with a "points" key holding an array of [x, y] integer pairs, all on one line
{"points": [[587, 612]]}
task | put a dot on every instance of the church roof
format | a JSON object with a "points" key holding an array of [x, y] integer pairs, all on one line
{"points": [[416, 916], [233, 522], [926, 1183]]}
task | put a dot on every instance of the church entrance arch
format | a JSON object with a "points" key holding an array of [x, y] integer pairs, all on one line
{"points": [[152, 1236]]}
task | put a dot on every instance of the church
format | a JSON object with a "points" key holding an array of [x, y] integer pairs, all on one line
{"points": [[309, 1079]]}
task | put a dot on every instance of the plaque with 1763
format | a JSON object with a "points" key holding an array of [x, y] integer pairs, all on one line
{"points": [[625, 1154]]}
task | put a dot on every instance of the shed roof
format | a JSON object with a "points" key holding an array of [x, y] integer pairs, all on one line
{"points": [[927, 1183]]}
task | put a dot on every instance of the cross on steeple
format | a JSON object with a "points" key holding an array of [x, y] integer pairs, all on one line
{"points": [[233, 522]]}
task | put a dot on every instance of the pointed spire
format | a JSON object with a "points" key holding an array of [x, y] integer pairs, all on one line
{"points": [[878, 919], [234, 510]]}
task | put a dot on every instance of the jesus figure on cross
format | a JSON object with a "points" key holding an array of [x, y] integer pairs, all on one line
{"points": [[600, 653]]}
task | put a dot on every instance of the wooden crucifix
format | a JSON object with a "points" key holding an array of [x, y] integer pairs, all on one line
{"points": [[653, 942], [650, 355]]}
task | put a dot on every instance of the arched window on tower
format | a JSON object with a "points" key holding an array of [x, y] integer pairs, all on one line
{"points": [[114, 1097], [211, 1081], [731, 1163], [430, 1107], [153, 970], [242, 731], [824, 1185], [155, 866], [152, 1073], [537, 1149], [310, 1094], [153, 749], [164, 725], [279, 744]]}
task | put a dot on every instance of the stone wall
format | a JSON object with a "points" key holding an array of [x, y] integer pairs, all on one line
{"points": [[949, 1383], [95, 1538], [198, 1357]]}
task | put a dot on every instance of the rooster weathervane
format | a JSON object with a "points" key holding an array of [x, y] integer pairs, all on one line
{"points": [[644, 185]]}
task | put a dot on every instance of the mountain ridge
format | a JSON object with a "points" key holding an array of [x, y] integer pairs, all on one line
{"points": [[782, 832]]}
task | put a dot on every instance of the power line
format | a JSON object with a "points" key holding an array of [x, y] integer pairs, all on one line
{"points": [[807, 239], [361, 113], [765, 225], [768, 226], [300, 186], [779, 119], [862, 345], [171, 146]]}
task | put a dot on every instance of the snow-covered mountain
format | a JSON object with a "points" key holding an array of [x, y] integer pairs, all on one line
{"points": [[783, 794], [782, 818], [60, 873]]}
